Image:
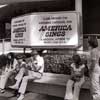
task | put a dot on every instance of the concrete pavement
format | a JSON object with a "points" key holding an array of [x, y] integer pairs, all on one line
{"points": [[8, 95]]}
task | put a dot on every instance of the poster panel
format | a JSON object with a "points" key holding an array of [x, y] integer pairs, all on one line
{"points": [[56, 30]]}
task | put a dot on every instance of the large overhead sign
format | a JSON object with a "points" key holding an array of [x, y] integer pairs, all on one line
{"points": [[56, 30]]}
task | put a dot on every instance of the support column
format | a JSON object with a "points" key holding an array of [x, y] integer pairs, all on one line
{"points": [[24, 49], [3, 46], [78, 8]]}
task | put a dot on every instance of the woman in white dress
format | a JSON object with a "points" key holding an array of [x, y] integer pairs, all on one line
{"points": [[76, 79]]}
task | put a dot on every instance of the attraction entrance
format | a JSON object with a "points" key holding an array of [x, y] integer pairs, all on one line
{"points": [[24, 7]]}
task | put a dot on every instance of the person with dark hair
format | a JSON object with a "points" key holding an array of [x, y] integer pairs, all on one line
{"points": [[10, 57], [93, 42], [7, 71], [34, 70], [76, 79], [94, 67], [3, 61]]}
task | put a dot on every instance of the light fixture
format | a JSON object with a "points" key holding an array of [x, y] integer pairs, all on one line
{"points": [[1, 6]]}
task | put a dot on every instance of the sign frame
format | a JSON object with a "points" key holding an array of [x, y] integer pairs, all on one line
{"points": [[54, 47]]}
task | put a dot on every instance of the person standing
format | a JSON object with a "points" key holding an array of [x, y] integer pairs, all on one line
{"points": [[94, 67]]}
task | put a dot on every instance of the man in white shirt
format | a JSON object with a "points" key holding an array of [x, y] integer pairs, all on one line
{"points": [[34, 72]]}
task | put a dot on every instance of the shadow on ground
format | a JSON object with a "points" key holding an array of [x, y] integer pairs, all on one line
{"points": [[4, 98], [9, 95]]}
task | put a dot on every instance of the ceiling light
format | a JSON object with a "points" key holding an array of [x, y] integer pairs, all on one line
{"points": [[1, 6]]}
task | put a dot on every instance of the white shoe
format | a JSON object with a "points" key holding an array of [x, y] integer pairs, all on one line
{"points": [[2, 90], [14, 86], [68, 97], [21, 97]]}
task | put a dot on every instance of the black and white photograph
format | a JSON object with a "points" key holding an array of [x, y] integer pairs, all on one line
{"points": [[49, 50]]}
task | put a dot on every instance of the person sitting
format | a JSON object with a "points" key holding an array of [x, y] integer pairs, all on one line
{"points": [[7, 70], [34, 70], [76, 79]]}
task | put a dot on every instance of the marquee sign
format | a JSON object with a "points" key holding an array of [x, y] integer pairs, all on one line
{"points": [[46, 30]]}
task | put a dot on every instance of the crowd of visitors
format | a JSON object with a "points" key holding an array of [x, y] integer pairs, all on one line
{"points": [[24, 68]]}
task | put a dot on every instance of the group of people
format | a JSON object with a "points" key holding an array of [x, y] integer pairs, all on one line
{"points": [[24, 68], [77, 72], [32, 67]]}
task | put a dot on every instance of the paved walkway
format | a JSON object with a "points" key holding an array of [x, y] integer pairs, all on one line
{"points": [[8, 95]]}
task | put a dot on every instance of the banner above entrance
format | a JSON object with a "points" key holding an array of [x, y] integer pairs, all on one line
{"points": [[56, 30]]}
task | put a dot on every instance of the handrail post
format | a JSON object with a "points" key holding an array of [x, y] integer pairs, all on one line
{"points": [[3, 46]]}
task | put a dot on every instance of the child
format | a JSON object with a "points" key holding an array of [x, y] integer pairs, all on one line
{"points": [[76, 79]]}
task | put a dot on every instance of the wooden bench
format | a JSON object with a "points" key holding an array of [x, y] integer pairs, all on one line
{"points": [[52, 84]]}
